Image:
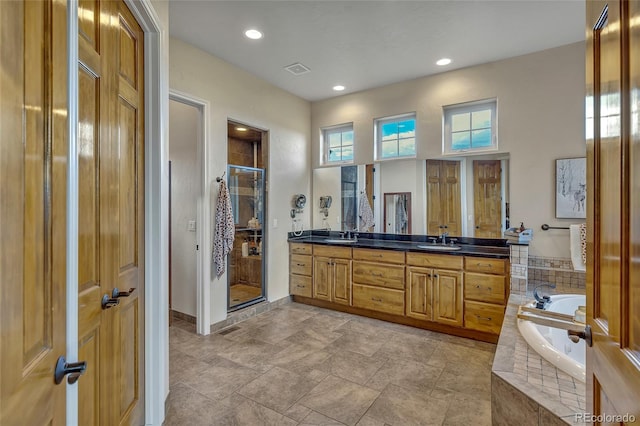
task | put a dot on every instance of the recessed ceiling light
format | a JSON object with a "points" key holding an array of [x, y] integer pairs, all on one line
{"points": [[338, 88], [444, 61], [241, 129], [253, 34]]}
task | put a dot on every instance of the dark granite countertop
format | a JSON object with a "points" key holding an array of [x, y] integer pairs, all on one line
{"points": [[498, 248]]}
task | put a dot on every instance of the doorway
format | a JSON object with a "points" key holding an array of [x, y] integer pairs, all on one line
{"points": [[185, 189], [246, 181]]}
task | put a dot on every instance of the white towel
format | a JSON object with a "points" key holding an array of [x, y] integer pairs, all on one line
{"points": [[366, 214], [576, 248], [224, 229]]}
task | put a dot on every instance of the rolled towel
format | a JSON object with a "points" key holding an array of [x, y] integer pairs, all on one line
{"points": [[576, 248]]}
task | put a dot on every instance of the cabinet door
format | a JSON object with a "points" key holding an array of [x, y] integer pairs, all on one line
{"points": [[447, 307], [341, 282], [419, 293], [322, 278]]}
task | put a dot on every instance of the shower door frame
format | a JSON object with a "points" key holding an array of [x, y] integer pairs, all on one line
{"points": [[263, 255]]}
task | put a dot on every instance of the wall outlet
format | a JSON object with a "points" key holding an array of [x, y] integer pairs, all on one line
{"points": [[191, 226], [275, 223]]}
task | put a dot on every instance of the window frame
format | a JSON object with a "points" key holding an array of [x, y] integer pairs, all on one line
{"points": [[324, 137], [469, 107], [377, 132]]}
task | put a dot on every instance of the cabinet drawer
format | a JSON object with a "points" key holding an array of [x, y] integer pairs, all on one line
{"points": [[435, 260], [486, 265], [300, 264], [372, 255], [332, 251], [483, 316], [299, 285], [484, 287], [391, 276], [378, 299], [300, 248]]}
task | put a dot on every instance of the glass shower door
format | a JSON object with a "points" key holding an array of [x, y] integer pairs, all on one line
{"points": [[246, 260]]}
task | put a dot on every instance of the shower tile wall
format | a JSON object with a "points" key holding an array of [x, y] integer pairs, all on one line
{"points": [[241, 153]]}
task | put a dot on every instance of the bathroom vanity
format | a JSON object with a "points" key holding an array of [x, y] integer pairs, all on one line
{"points": [[458, 289]]}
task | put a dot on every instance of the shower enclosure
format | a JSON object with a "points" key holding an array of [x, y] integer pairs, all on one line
{"points": [[247, 259]]}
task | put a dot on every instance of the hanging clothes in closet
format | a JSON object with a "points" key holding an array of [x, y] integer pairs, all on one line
{"points": [[224, 229]]}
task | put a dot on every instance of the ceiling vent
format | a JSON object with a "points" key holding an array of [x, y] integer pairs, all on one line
{"points": [[297, 69]]}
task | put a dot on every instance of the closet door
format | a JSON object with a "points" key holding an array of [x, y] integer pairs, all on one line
{"points": [[487, 195], [33, 172], [111, 202]]}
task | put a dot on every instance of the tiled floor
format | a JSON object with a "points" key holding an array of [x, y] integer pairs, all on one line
{"points": [[241, 293], [301, 365]]}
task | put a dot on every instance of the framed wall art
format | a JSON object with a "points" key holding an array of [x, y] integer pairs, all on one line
{"points": [[571, 188]]}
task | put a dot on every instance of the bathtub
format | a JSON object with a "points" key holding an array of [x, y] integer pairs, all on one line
{"points": [[553, 344]]}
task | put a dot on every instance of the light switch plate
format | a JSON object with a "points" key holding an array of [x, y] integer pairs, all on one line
{"points": [[191, 226]]}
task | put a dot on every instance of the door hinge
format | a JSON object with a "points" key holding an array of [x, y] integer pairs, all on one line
{"points": [[197, 247]]}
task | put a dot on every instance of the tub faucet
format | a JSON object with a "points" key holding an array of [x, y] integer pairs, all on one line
{"points": [[542, 301]]}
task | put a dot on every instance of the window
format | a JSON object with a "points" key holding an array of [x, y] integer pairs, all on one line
{"points": [[337, 144], [396, 136], [470, 127]]}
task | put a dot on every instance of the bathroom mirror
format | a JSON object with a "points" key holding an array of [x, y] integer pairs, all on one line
{"points": [[397, 212], [464, 196]]}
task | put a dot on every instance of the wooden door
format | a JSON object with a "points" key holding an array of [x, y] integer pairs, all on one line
{"points": [[321, 277], [111, 228], [33, 179], [419, 293], [447, 298], [487, 196], [341, 281], [613, 211], [451, 197], [443, 198], [435, 208]]}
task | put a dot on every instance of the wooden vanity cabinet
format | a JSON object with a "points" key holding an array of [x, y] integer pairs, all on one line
{"points": [[435, 294], [378, 280], [486, 290], [300, 269], [461, 295], [332, 274]]}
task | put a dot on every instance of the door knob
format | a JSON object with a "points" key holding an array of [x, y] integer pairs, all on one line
{"points": [[576, 335], [108, 302], [117, 293], [73, 369]]}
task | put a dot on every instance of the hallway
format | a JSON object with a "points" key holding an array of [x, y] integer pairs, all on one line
{"points": [[302, 365]]}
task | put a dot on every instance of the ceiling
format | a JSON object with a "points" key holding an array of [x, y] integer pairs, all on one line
{"points": [[364, 44]]}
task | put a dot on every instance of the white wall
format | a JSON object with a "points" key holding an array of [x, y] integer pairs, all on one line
{"points": [[238, 95], [185, 189], [327, 181], [540, 118]]}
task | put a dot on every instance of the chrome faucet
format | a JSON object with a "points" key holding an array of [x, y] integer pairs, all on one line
{"points": [[443, 237]]}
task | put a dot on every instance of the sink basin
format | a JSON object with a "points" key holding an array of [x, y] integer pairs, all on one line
{"points": [[340, 240], [439, 247]]}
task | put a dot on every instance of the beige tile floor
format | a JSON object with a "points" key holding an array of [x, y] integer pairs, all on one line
{"points": [[302, 365]]}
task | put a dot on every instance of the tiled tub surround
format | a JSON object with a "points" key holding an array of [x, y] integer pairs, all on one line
{"points": [[528, 272], [558, 271], [525, 388]]}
